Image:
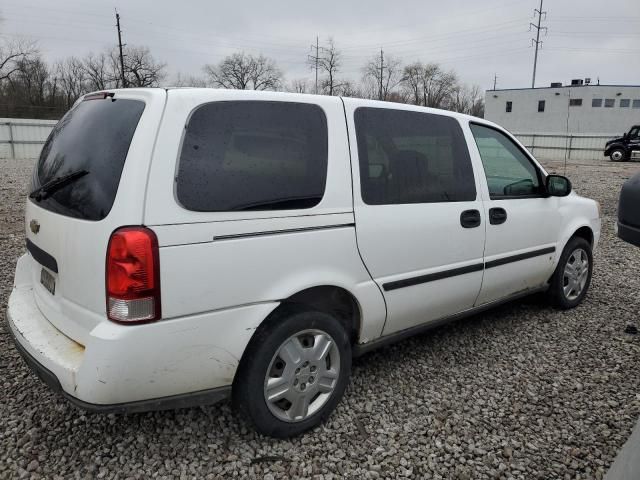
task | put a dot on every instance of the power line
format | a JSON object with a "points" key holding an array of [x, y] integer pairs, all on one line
{"points": [[537, 41]]}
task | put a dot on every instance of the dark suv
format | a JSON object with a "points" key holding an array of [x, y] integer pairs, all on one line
{"points": [[629, 211], [624, 148]]}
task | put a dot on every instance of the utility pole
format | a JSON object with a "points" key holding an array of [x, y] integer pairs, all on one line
{"points": [[124, 80], [315, 58], [381, 71], [495, 80], [537, 42]]}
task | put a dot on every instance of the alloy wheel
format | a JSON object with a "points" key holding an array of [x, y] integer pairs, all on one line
{"points": [[302, 375], [576, 273]]}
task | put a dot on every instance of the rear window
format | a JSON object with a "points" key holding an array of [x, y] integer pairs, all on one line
{"points": [[93, 137], [253, 155]]}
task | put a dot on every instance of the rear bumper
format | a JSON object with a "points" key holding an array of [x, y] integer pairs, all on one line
{"points": [[629, 234], [172, 363], [166, 403]]}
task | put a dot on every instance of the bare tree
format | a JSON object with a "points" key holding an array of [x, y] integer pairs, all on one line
{"points": [[32, 81], [329, 61], [429, 85], [140, 68], [348, 89], [12, 53], [381, 76], [412, 81], [188, 81], [71, 80], [99, 72], [437, 85], [245, 72], [299, 85]]}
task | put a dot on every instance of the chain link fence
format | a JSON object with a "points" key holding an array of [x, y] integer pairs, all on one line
{"points": [[569, 147], [23, 138]]}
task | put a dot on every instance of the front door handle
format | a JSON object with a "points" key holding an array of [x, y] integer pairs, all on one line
{"points": [[470, 218], [497, 216]]}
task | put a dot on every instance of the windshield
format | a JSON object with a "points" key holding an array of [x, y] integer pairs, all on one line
{"points": [[94, 137]]}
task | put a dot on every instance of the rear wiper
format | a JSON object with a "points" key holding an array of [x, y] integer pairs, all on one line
{"points": [[43, 191]]}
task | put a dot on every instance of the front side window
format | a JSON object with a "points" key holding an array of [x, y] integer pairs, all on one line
{"points": [[253, 155], [609, 102], [634, 133], [624, 103], [509, 171], [412, 157], [541, 104], [596, 102]]}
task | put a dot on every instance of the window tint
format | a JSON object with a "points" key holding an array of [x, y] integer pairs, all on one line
{"points": [[609, 102], [94, 137], [541, 104], [509, 107], [412, 157], [253, 155], [624, 103], [634, 133], [575, 102], [509, 172], [596, 102], [635, 104]]}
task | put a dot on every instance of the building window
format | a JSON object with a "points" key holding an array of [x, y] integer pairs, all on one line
{"points": [[575, 102], [636, 103], [509, 107], [596, 102], [609, 102], [541, 105], [624, 103]]}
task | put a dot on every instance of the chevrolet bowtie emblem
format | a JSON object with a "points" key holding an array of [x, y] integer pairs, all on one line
{"points": [[34, 226]]}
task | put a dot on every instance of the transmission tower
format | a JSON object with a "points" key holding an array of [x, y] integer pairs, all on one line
{"points": [[537, 42]]}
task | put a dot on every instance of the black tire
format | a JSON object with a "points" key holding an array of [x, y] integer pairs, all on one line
{"points": [[556, 290], [248, 393], [618, 155]]}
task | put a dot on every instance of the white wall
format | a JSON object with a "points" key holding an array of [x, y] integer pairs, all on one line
{"points": [[23, 138], [584, 119]]}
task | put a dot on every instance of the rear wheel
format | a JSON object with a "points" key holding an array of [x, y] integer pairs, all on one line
{"points": [[572, 277], [294, 373], [617, 155]]}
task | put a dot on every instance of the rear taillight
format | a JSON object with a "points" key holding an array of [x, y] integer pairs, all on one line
{"points": [[133, 276]]}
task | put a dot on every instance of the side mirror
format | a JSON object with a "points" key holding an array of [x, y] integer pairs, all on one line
{"points": [[558, 186]]}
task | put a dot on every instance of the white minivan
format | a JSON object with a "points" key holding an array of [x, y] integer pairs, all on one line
{"points": [[185, 245]]}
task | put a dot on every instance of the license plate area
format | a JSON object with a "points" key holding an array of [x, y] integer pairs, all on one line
{"points": [[48, 281]]}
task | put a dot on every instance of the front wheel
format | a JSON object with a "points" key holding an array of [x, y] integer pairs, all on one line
{"points": [[294, 373], [617, 155], [572, 277]]}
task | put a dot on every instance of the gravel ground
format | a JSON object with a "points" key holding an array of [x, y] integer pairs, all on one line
{"points": [[523, 391]]}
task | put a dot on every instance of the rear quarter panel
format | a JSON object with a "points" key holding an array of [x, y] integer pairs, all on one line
{"points": [[201, 272]]}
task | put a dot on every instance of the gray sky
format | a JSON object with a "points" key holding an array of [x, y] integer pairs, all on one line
{"points": [[476, 39]]}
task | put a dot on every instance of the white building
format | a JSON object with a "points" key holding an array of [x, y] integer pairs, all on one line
{"points": [[579, 108]]}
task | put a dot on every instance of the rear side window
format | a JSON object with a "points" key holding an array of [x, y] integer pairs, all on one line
{"points": [[412, 157], [93, 137], [253, 155]]}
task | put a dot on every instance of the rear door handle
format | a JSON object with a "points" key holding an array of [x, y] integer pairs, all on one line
{"points": [[497, 216], [470, 218]]}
